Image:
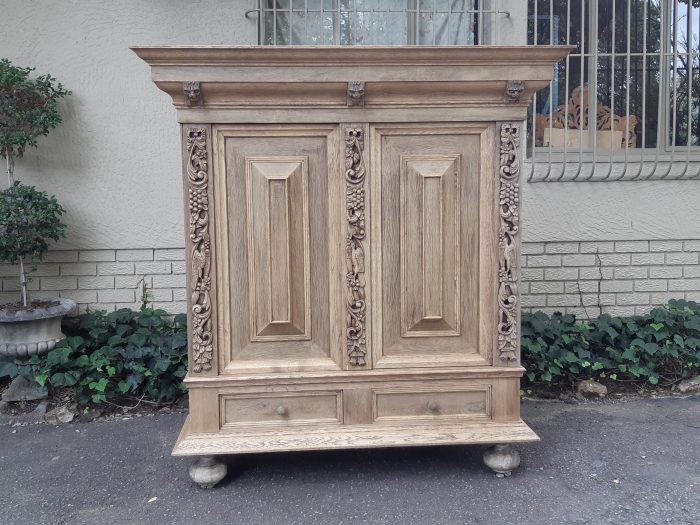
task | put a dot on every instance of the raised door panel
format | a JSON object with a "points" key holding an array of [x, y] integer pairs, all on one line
{"points": [[278, 248], [432, 207], [282, 299], [429, 244]]}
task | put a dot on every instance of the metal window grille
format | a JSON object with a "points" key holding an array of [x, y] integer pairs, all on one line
{"points": [[625, 104], [377, 22]]}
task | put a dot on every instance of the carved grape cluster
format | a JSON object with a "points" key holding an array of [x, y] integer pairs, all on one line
{"points": [[355, 199], [198, 200], [509, 194], [353, 281], [505, 276]]}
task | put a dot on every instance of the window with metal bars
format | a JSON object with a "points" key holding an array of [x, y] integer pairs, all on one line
{"points": [[625, 104], [377, 22]]}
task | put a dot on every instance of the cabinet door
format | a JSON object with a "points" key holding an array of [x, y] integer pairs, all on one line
{"points": [[433, 245], [280, 304]]}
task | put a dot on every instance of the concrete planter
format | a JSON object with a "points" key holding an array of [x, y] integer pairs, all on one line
{"points": [[32, 332]]}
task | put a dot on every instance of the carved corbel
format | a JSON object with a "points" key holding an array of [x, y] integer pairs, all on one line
{"points": [[193, 93], [514, 90], [356, 93]]}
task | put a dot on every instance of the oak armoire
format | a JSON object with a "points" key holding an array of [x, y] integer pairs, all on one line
{"points": [[353, 232]]}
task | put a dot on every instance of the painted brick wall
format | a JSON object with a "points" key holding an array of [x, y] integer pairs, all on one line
{"points": [[106, 279], [619, 277]]}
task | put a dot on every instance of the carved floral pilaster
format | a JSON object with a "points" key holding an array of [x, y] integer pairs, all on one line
{"points": [[199, 256], [354, 246], [508, 238]]}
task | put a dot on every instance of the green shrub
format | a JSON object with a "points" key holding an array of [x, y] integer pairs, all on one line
{"points": [[662, 346], [28, 107], [28, 219], [135, 353], [144, 353]]}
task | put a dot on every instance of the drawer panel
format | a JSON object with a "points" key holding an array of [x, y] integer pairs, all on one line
{"points": [[281, 409], [432, 404]]}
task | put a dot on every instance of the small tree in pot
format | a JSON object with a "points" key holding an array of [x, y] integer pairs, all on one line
{"points": [[29, 218]]}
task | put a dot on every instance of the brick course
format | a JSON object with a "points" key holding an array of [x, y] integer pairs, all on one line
{"points": [[615, 277], [583, 278], [105, 279]]}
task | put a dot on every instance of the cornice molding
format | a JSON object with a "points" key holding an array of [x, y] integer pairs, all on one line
{"points": [[349, 55]]}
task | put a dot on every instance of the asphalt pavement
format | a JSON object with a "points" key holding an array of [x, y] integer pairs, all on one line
{"points": [[622, 462]]}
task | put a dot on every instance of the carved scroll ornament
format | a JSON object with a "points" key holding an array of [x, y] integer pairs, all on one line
{"points": [[509, 204], [354, 246], [199, 250]]}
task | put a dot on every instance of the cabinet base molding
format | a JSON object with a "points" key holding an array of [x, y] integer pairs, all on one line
{"points": [[477, 433]]}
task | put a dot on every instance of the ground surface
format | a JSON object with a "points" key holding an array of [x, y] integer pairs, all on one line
{"points": [[626, 462]]}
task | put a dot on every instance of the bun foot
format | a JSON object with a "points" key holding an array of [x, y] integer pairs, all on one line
{"points": [[502, 459], [207, 471]]}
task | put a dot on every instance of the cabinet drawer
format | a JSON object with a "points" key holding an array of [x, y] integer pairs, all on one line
{"points": [[432, 404], [281, 409]]}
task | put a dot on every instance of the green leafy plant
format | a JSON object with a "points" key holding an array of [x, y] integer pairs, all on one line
{"points": [[28, 217], [143, 354], [28, 108], [125, 353], [661, 347]]}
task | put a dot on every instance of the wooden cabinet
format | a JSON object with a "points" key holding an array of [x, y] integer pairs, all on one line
{"points": [[353, 231]]}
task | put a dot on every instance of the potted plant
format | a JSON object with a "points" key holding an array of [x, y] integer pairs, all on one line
{"points": [[29, 219]]}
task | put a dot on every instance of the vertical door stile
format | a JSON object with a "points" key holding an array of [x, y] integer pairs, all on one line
{"points": [[200, 260], [507, 198], [356, 222]]}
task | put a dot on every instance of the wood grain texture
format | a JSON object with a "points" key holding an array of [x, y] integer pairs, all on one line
{"points": [[258, 378], [374, 436], [434, 403], [405, 336], [201, 260], [429, 247], [353, 56], [290, 224], [312, 115], [277, 204], [354, 264], [281, 410]]}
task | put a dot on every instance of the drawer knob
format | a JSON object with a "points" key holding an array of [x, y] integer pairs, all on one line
{"points": [[433, 406], [281, 411]]}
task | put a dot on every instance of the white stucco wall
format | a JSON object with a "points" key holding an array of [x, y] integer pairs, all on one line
{"points": [[607, 211], [114, 162]]}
